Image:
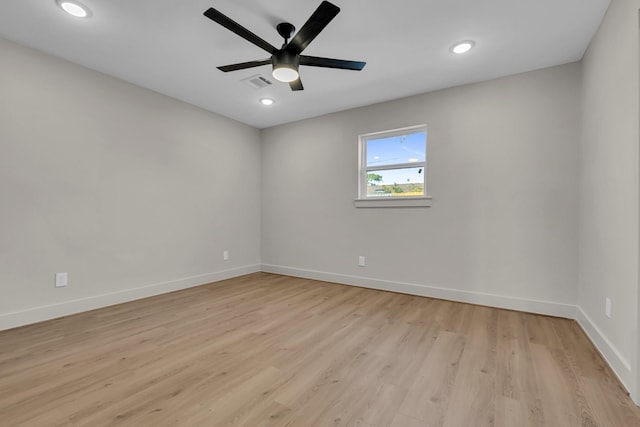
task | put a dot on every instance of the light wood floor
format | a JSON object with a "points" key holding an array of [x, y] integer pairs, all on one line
{"points": [[268, 350]]}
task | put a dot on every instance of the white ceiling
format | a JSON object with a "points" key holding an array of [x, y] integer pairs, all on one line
{"points": [[170, 47]]}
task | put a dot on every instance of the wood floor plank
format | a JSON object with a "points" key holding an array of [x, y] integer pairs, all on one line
{"points": [[610, 408], [270, 350], [472, 398], [318, 369], [515, 376], [511, 412], [402, 420], [561, 400], [428, 396]]}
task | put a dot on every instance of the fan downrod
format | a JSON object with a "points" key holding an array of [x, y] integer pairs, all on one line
{"points": [[286, 31]]}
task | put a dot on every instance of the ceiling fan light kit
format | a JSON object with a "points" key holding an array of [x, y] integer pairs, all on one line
{"points": [[286, 61], [285, 66]]}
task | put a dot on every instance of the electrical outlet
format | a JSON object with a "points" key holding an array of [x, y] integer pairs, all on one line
{"points": [[61, 280], [361, 261], [225, 255], [607, 307]]}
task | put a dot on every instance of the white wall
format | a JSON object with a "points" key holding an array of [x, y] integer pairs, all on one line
{"points": [[130, 192], [502, 170], [609, 190]]}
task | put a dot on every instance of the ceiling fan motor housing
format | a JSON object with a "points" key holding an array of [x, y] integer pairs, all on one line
{"points": [[284, 58]]}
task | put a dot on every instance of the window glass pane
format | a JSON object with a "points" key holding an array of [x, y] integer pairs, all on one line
{"points": [[397, 149], [396, 182]]}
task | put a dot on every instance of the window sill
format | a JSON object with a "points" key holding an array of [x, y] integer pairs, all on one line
{"points": [[388, 202]]}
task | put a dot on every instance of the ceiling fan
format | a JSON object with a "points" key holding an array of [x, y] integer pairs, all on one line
{"points": [[286, 60]]}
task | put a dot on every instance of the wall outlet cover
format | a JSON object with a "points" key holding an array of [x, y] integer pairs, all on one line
{"points": [[61, 280]]}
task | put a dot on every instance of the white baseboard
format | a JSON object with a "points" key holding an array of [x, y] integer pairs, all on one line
{"points": [[620, 366], [511, 303], [39, 314]]}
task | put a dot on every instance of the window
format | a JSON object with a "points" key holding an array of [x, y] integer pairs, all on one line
{"points": [[393, 168]]}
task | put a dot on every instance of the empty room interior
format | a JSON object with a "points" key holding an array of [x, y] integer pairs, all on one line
{"points": [[207, 219]]}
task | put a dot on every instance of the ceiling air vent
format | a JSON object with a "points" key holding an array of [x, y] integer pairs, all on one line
{"points": [[257, 81]]}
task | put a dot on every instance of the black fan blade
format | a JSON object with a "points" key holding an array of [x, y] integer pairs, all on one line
{"points": [[243, 65], [315, 61], [316, 23], [233, 26], [296, 85]]}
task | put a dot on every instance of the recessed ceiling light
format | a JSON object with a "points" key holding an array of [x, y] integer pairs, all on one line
{"points": [[74, 8], [266, 101], [463, 46]]}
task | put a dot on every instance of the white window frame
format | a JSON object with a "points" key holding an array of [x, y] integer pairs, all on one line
{"points": [[362, 201]]}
